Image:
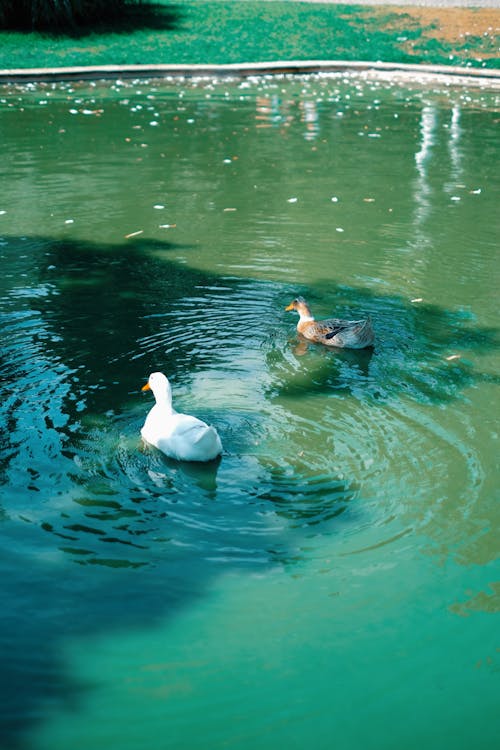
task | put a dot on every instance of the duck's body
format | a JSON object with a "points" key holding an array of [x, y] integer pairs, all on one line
{"points": [[348, 334], [178, 436]]}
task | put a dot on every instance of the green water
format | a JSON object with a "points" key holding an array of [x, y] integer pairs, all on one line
{"points": [[333, 581]]}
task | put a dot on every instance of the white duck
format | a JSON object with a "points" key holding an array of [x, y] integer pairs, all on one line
{"points": [[179, 436]]}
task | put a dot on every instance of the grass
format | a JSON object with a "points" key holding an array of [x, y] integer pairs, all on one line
{"points": [[219, 31]]}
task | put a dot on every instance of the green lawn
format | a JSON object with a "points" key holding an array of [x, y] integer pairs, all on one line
{"points": [[245, 31]]}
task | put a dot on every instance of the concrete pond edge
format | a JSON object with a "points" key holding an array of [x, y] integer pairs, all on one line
{"points": [[485, 77]]}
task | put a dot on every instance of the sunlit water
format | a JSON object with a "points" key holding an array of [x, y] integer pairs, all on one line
{"points": [[332, 581]]}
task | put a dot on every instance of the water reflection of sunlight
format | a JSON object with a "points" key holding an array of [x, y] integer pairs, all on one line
{"points": [[423, 189], [309, 116], [269, 111], [272, 111], [453, 143]]}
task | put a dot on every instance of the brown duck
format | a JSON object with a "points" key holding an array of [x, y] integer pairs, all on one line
{"points": [[350, 334]]}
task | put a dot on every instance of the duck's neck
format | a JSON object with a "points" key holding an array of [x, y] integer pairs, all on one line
{"points": [[164, 401], [304, 314]]}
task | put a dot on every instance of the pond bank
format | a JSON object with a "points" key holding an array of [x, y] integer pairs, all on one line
{"points": [[257, 31]]}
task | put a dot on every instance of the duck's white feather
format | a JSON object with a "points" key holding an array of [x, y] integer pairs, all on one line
{"points": [[179, 436]]}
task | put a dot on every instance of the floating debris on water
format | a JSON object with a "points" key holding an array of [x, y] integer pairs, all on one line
{"points": [[417, 299], [134, 234], [453, 356]]}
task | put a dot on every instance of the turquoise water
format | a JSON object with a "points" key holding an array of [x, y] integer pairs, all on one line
{"points": [[332, 582]]}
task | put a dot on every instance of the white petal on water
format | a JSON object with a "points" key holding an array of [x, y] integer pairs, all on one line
{"points": [[159, 206], [339, 229], [292, 200], [69, 221], [417, 299], [334, 199]]}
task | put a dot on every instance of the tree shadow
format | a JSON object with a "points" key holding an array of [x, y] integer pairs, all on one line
{"points": [[140, 16]]}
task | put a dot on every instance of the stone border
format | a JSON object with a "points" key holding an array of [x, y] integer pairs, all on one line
{"points": [[489, 77]]}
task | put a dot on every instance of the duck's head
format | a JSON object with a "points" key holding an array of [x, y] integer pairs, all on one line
{"points": [[300, 305], [159, 384]]}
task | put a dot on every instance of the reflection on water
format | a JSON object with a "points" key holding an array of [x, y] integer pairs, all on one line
{"points": [[160, 227]]}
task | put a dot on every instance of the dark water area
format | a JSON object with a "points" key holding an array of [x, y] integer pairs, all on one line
{"points": [[336, 572]]}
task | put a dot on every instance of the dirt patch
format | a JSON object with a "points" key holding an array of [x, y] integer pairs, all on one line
{"points": [[458, 30]]}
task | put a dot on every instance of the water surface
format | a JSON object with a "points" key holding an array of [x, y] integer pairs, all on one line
{"points": [[333, 580]]}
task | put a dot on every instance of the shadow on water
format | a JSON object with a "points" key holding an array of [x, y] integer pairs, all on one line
{"points": [[93, 304], [74, 314], [138, 16], [42, 612]]}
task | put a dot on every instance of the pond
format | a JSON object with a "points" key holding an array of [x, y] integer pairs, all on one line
{"points": [[332, 581]]}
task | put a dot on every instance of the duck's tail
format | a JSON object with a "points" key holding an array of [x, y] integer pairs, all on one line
{"points": [[365, 334], [208, 443], [356, 334]]}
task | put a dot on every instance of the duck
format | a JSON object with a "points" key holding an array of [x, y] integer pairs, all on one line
{"points": [[348, 334], [179, 436]]}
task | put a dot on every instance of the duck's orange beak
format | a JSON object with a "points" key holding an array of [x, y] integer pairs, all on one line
{"points": [[146, 387], [289, 307]]}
